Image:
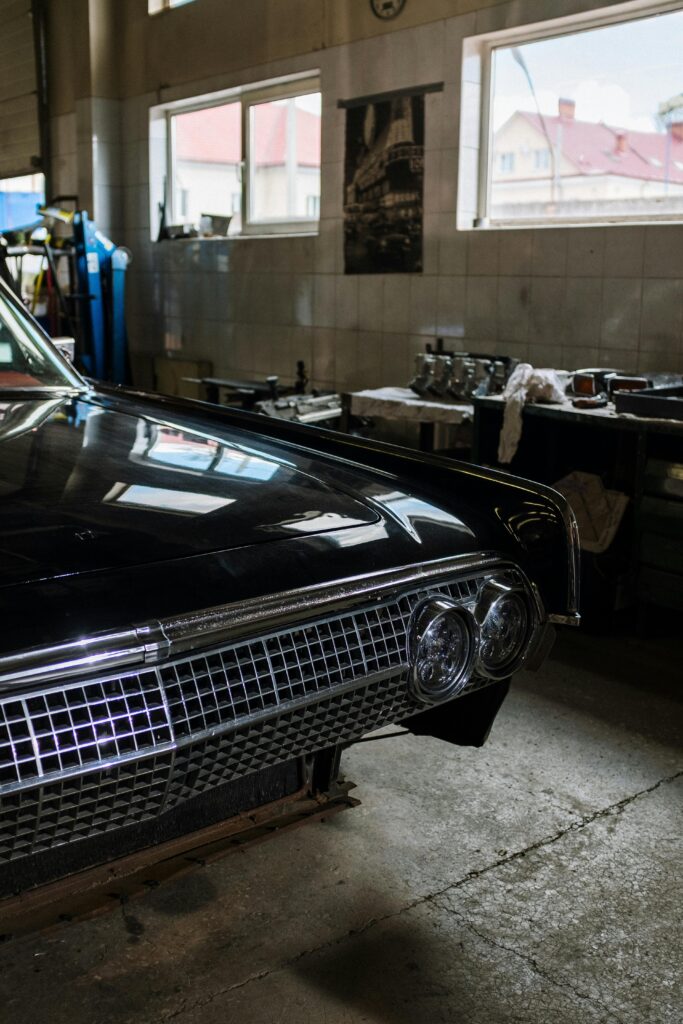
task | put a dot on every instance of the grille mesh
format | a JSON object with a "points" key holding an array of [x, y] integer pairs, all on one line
{"points": [[62, 730], [82, 758], [349, 714], [250, 678], [32, 820]]}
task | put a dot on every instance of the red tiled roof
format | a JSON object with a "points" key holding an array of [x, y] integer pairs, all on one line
{"points": [[592, 148], [213, 135]]}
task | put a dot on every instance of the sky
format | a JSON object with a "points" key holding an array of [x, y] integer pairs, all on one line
{"points": [[618, 74]]}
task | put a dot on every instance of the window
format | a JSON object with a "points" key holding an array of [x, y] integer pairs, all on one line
{"points": [[252, 156], [206, 155], [19, 199], [313, 206], [541, 159], [283, 157], [582, 121]]}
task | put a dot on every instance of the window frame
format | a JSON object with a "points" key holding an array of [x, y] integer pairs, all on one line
{"points": [[155, 7], [542, 159], [171, 113], [479, 50], [251, 98], [247, 97]]}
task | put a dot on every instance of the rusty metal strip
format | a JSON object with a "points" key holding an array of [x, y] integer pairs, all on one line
{"points": [[105, 887]]}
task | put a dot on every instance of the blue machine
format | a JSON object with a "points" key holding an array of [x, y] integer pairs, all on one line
{"points": [[101, 276], [93, 309]]}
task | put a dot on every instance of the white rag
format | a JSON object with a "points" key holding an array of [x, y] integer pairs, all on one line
{"points": [[526, 385], [598, 511]]}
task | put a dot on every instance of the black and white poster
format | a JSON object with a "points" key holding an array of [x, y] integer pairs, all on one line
{"points": [[383, 186]]}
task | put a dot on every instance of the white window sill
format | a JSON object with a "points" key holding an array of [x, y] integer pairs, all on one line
{"points": [[598, 222], [240, 238]]}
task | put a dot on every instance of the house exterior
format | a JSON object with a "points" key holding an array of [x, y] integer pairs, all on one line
{"points": [[208, 157], [558, 164]]}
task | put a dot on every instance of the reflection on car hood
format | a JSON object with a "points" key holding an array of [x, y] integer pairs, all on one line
{"points": [[86, 487]]}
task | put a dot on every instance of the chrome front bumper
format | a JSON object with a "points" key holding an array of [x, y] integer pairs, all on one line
{"points": [[81, 756]]}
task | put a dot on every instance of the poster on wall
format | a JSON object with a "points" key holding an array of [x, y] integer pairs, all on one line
{"points": [[383, 186]]}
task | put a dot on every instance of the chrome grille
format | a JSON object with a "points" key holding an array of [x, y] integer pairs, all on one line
{"points": [[32, 820], [251, 678], [348, 714], [81, 758], [60, 731]]}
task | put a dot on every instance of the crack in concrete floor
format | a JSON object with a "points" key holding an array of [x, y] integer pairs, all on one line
{"points": [[578, 825], [531, 962]]}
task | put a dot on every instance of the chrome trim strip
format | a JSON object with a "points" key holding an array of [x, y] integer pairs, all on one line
{"points": [[573, 617], [228, 621], [74, 658], [80, 657], [156, 641], [565, 620]]}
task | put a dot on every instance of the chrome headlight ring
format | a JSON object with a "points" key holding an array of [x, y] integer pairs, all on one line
{"points": [[506, 622], [442, 649], [491, 637]]}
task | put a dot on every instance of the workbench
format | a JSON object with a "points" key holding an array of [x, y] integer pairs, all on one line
{"points": [[393, 403], [641, 457]]}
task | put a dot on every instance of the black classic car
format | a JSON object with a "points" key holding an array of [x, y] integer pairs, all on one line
{"points": [[200, 607]]}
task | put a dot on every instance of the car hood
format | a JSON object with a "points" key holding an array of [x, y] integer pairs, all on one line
{"points": [[87, 485]]}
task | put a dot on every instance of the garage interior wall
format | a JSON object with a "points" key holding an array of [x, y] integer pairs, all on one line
{"points": [[19, 131], [86, 106], [563, 297]]}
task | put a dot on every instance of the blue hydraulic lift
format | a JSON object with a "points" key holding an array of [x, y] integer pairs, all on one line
{"points": [[93, 309], [101, 273]]}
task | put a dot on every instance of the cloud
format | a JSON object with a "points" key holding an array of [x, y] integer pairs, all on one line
{"points": [[595, 101], [604, 101]]}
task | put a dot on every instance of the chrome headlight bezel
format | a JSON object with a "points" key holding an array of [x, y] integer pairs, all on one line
{"points": [[432, 615], [494, 593]]}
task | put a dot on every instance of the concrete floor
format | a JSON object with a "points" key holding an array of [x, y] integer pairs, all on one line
{"points": [[531, 881]]}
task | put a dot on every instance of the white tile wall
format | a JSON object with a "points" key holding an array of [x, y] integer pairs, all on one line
{"points": [[662, 313], [451, 306], [621, 303], [513, 311], [557, 296], [395, 303], [64, 148]]}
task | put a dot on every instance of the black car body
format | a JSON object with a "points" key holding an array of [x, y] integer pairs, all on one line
{"points": [[200, 606]]}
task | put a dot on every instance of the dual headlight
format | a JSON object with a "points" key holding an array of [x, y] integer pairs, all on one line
{"points": [[449, 642]]}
